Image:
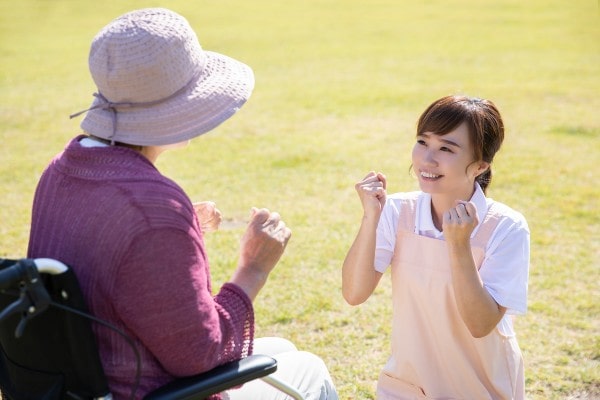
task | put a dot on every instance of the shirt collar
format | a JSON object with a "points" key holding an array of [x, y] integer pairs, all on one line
{"points": [[424, 220]]}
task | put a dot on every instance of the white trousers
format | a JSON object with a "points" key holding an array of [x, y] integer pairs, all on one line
{"points": [[301, 370]]}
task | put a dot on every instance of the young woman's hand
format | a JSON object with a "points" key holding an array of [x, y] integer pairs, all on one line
{"points": [[478, 309], [209, 215], [459, 222], [372, 192], [359, 277]]}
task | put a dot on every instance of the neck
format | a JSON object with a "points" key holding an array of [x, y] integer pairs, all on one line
{"points": [[438, 208], [442, 202], [120, 144], [150, 152]]}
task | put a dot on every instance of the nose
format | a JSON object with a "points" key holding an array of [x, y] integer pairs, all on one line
{"points": [[429, 157]]}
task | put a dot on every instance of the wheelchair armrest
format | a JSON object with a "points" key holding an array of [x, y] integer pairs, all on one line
{"points": [[216, 380]]}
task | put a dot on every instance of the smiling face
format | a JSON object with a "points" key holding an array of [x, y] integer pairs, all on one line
{"points": [[445, 164], [465, 123]]}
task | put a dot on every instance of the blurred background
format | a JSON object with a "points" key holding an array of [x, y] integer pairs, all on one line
{"points": [[339, 87]]}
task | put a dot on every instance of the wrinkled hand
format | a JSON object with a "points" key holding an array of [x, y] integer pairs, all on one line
{"points": [[372, 192], [209, 215], [459, 222], [264, 241]]}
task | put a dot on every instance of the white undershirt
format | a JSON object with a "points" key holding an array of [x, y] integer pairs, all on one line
{"points": [[89, 142]]}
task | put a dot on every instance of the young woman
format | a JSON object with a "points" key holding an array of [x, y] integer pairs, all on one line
{"points": [[459, 262]]}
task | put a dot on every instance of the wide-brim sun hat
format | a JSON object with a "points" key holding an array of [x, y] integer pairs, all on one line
{"points": [[156, 85]]}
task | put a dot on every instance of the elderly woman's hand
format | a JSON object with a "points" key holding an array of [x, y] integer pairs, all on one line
{"points": [[261, 247], [209, 215]]}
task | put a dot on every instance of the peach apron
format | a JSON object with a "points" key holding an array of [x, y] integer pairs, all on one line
{"points": [[434, 355]]}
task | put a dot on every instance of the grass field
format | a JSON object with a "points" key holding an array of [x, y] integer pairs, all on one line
{"points": [[340, 85]]}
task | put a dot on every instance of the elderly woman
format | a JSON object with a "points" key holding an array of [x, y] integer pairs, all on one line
{"points": [[133, 237]]}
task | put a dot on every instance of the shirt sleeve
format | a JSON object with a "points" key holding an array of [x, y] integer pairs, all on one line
{"points": [[505, 269], [163, 296]]}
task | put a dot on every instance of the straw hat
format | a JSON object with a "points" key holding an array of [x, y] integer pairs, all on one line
{"points": [[156, 85]]}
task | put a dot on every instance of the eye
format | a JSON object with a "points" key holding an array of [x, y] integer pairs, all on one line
{"points": [[421, 142], [447, 149]]}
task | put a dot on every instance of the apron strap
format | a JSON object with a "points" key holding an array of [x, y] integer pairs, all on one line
{"points": [[408, 213]]}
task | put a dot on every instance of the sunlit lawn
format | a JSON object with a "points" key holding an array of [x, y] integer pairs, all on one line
{"points": [[340, 85]]}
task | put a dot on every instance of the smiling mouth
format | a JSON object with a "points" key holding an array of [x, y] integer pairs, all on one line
{"points": [[429, 175]]}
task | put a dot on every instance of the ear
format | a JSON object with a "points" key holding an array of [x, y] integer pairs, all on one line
{"points": [[482, 166]]}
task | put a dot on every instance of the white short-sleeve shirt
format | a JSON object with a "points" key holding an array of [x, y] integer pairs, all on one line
{"points": [[505, 268]]}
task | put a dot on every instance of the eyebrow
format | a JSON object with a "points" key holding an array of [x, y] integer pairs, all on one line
{"points": [[442, 139]]}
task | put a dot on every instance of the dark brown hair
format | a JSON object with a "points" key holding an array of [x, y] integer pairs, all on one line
{"points": [[486, 129]]}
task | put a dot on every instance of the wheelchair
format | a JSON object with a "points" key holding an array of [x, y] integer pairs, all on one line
{"points": [[48, 350]]}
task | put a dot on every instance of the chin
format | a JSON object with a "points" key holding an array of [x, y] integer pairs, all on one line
{"points": [[428, 187]]}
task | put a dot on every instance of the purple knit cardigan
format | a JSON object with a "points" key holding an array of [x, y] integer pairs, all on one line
{"points": [[133, 239]]}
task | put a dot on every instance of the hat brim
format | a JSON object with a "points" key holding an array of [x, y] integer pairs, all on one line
{"points": [[223, 86]]}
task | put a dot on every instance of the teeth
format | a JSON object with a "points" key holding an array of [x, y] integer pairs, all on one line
{"points": [[428, 175]]}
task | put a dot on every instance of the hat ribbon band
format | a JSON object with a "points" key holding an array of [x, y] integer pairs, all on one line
{"points": [[105, 104]]}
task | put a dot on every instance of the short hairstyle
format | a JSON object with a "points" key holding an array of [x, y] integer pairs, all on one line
{"points": [[485, 126]]}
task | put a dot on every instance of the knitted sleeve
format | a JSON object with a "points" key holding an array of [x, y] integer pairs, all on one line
{"points": [[163, 296], [232, 298]]}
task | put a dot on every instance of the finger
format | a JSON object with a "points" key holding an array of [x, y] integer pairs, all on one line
{"points": [[284, 232], [260, 215], [381, 177], [363, 184], [372, 177], [371, 188], [287, 234], [368, 182], [218, 217], [279, 227], [279, 232], [378, 192], [369, 175], [447, 216], [453, 215], [205, 204], [471, 209], [371, 183], [468, 205], [274, 219], [461, 210]]}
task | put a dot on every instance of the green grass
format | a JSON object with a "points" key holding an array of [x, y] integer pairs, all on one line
{"points": [[340, 85]]}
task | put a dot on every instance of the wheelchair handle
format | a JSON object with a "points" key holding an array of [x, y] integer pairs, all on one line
{"points": [[33, 296], [9, 276], [50, 266], [20, 272]]}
